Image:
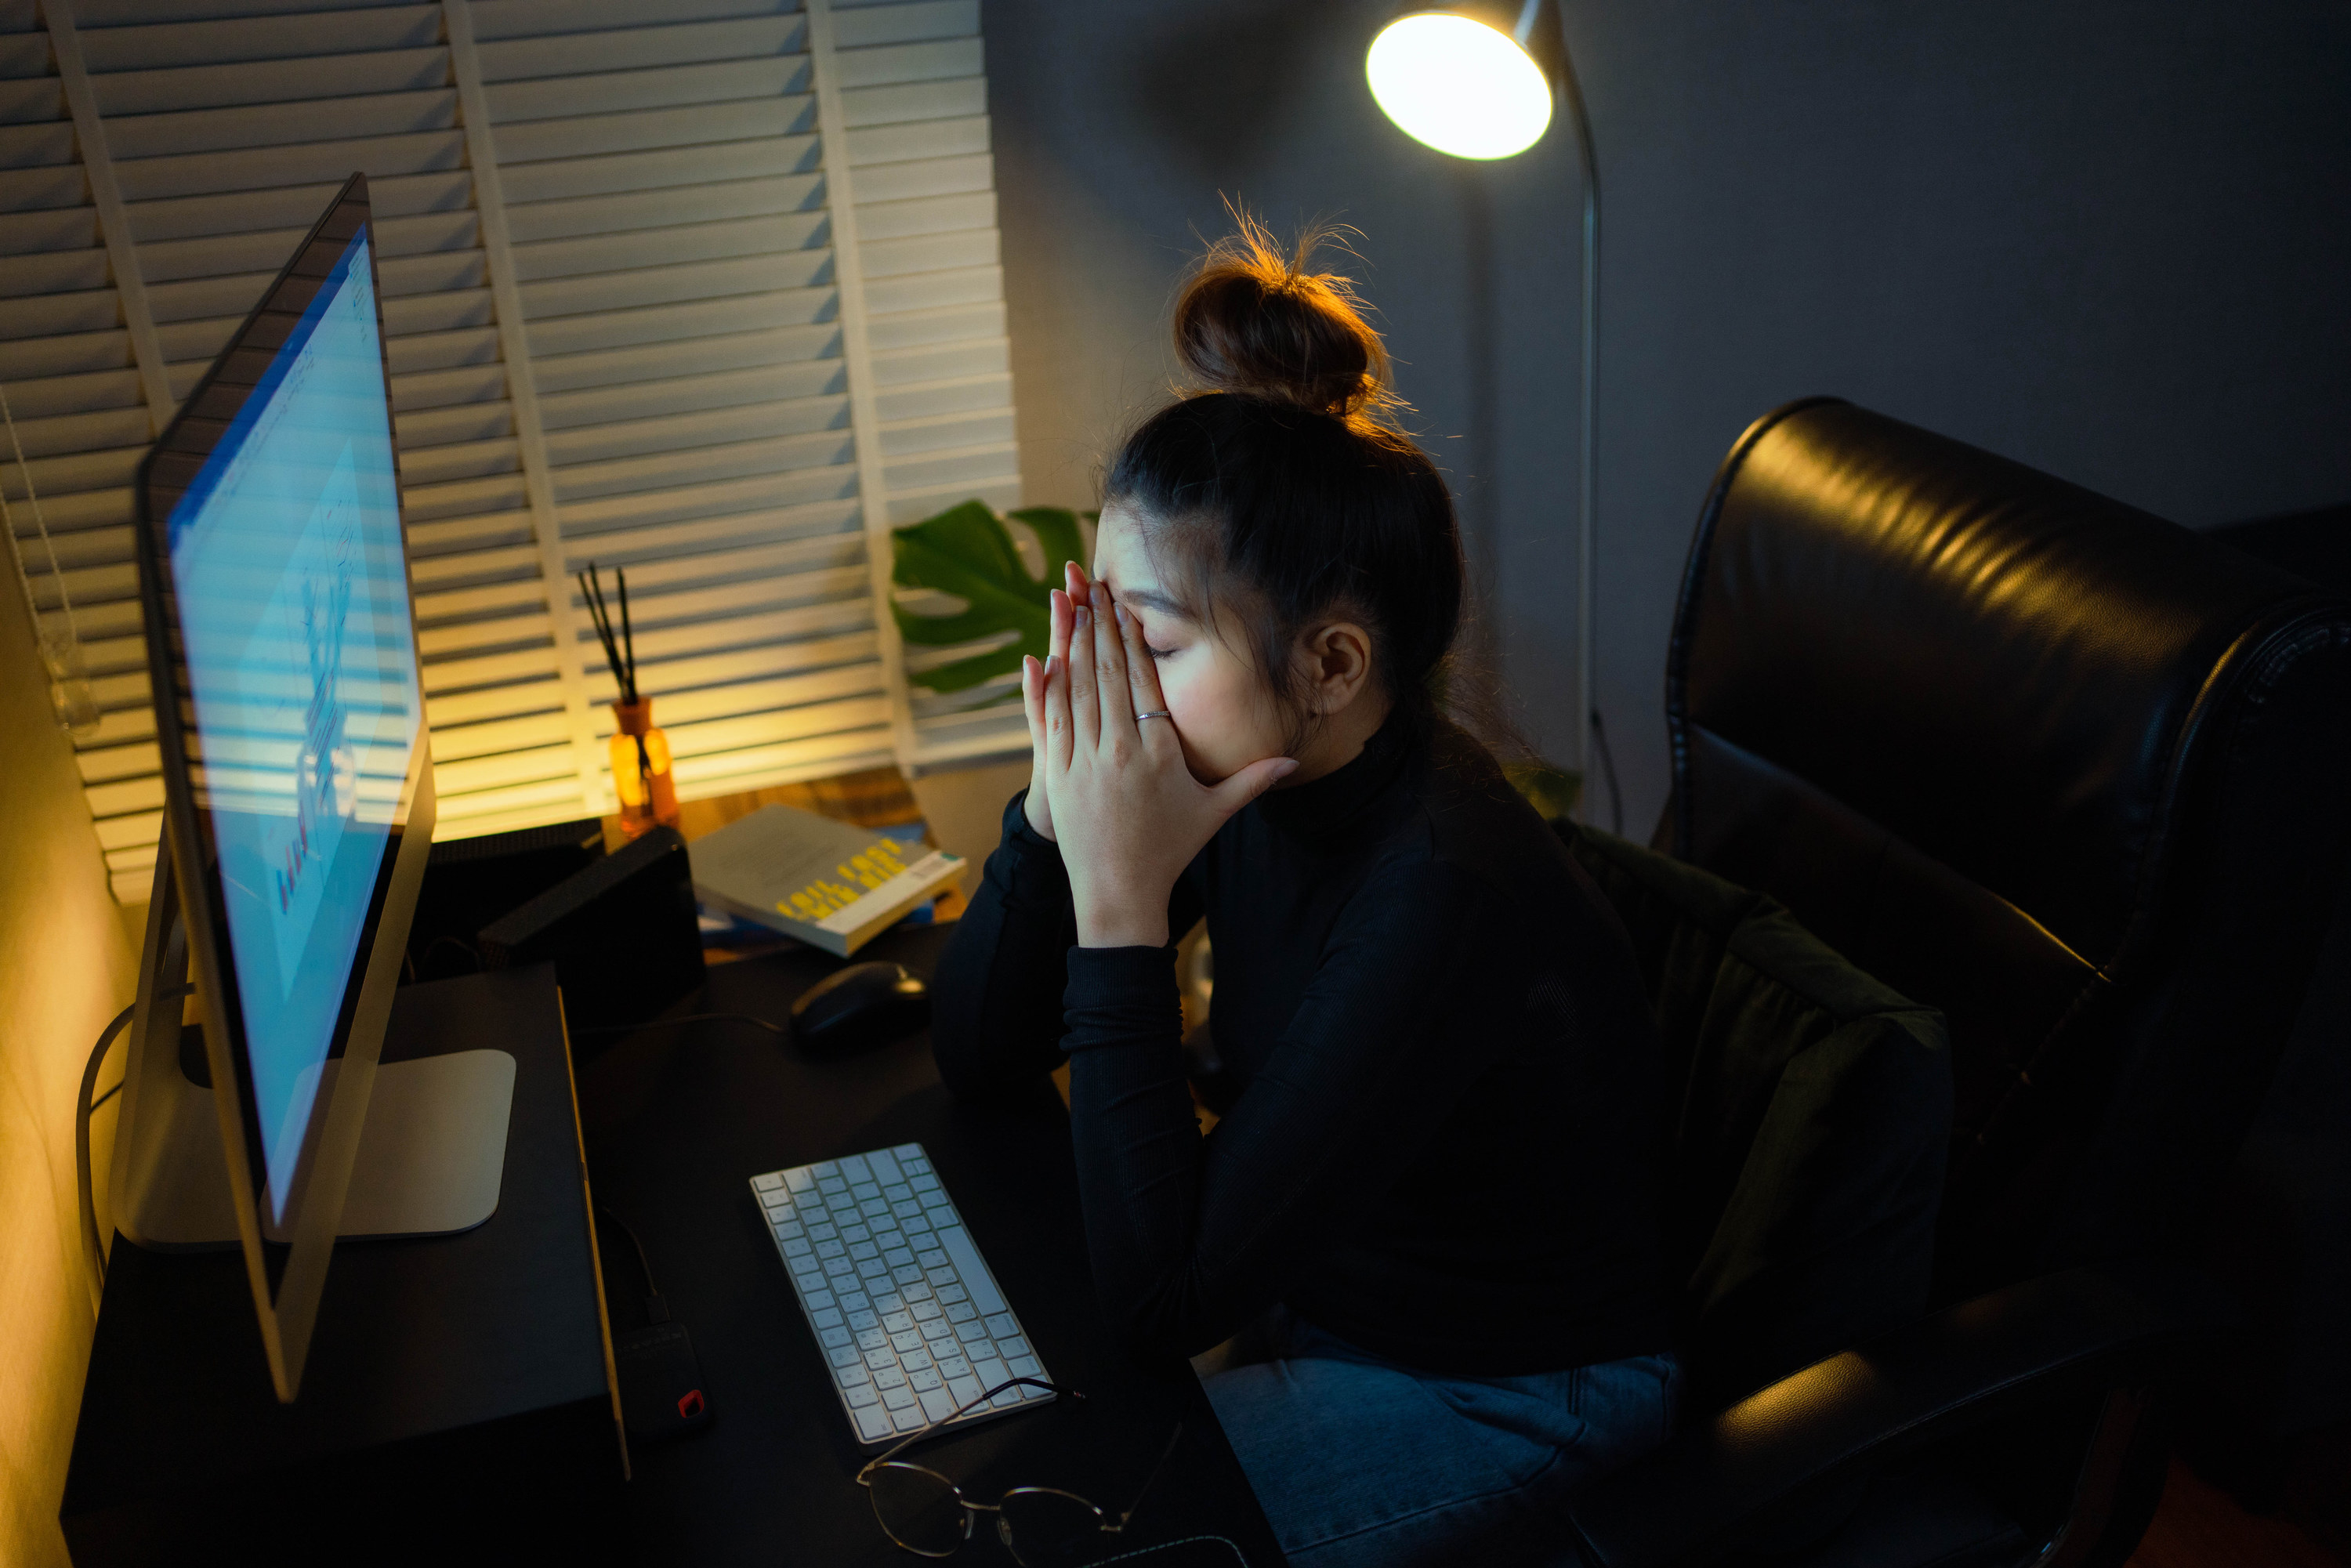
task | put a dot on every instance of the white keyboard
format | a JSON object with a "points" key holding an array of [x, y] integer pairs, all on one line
{"points": [[908, 1316]]}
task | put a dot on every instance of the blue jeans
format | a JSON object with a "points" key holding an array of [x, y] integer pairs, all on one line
{"points": [[1363, 1463]]}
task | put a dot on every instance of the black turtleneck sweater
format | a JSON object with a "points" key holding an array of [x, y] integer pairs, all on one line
{"points": [[1445, 1148]]}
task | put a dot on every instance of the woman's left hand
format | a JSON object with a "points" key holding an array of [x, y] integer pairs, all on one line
{"points": [[1127, 811]]}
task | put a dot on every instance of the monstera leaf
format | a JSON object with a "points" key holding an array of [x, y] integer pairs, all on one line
{"points": [[968, 552]]}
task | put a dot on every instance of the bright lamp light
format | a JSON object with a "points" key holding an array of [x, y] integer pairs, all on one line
{"points": [[1458, 85]]}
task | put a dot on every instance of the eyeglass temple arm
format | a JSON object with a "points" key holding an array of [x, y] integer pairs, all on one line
{"points": [[1164, 1453], [911, 1438]]}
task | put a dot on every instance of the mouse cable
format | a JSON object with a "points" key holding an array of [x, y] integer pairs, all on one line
{"points": [[656, 1310], [776, 1028]]}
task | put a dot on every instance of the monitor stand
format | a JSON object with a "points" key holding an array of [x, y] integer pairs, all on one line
{"points": [[432, 1151]]}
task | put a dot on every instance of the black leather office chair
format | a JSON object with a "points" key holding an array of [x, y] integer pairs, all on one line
{"points": [[2078, 779]]}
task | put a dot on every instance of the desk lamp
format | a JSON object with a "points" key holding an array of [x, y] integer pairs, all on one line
{"points": [[1477, 79]]}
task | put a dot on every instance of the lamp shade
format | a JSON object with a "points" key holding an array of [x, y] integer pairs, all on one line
{"points": [[1455, 78]]}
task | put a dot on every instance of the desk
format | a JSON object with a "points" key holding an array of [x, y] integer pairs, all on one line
{"points": [[677, 1121]]}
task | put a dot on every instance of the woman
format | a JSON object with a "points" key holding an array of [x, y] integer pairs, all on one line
{"points": [[1432, 1202]]}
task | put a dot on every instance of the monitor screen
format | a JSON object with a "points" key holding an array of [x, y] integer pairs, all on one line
{"points": [[286, 561]]}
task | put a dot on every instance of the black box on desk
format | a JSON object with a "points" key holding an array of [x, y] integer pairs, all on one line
{"points": [[622, 935], [457, 1404]]}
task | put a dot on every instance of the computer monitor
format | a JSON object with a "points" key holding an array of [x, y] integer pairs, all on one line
{"points": [[298, 800]]}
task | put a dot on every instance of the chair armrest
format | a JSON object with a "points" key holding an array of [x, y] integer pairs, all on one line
{"points": [[1754, 1468]]}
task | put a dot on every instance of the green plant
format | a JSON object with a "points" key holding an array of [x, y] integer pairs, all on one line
{"points": [[967, 551]]}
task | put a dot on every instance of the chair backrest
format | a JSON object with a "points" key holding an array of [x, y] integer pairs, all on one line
{"points": [[2070, 773], [1806, 1145]]}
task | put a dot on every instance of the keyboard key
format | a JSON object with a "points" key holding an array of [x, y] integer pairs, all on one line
{"points": [[897, 1192], [962, 1390], [853, 1232], [863, 1395], [799, 1181], [907, 1274], [888, 1302], [938, 1405], [840, 1268], [888, 1377], [958, 1245], [881, 1360], [1013, 1344], [961, 1312], [953, 1367], [818, 1300], [899, 1398], [872, 1338], [940, 1277], [772, 1182], [852, 1376], [971, 1333], [829, 1249], [874, 1206], [883, 1163], [816, 1232], [797, 1248], [908, 1420], [897, 1258], [861, 1250], [935, 1201], [845, 1355], [862, 1321], [825, 1318], [1006, 1400], [922, 1382], [907, 1209], [914, 1360], [937, 1329], [854, 1168], [886, 1230], [833, 1339], [773, 1196], [1027, 1392], [933, 1257], [855, 1302], [923, 1312], [791, 1230], [808, 1268], [824, 1168], [897, 1322], [923, 1181], [1002, 1323], [862, 1190], [872, 1269], [918, 1292], [874, 1424], [951, 1293], [905, 1341], [918, 1225], [990, 1372]]}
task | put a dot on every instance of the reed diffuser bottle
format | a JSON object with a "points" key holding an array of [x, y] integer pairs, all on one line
{"points": [[640, 760]]}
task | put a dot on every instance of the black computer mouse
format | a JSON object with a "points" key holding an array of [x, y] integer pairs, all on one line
{"points": [[862, 1006]]}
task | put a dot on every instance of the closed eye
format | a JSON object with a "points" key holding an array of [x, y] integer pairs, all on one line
{"points": [[1157, 652]]}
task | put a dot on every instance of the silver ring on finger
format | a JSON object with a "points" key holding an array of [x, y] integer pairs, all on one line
{"points": [[1156, 713]]}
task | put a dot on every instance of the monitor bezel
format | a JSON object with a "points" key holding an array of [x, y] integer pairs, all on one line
{"points": [[286, 1251]]}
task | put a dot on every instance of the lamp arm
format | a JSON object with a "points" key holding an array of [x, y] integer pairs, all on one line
{"points": [[1587, 517]]}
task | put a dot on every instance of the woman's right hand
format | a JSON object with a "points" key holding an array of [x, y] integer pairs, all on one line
{"points": [[1039, 806]]}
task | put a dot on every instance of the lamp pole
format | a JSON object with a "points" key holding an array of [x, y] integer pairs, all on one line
{"points": [[1452, 82]]}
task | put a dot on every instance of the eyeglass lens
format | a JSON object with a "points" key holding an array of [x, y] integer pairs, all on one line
{"points": [[918, 1508], [1046, 1529]]}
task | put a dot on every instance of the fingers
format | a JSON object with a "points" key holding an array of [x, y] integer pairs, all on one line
{"points": [[1141, 676], [1110, 666], [1032, 702], [1250, 782], [1085, 703], [1054, 686], [1057, 621]]}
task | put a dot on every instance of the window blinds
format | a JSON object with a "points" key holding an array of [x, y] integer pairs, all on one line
{"points": [[708, 289]]}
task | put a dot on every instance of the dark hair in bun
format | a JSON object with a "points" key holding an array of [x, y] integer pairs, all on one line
{"points": [[1284, 479]]}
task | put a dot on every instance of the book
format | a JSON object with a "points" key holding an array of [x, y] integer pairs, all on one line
{"points": [[828, 883]]}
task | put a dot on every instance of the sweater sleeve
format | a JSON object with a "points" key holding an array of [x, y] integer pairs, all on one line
{"points": [[996, 1009], [1192, 1237]]}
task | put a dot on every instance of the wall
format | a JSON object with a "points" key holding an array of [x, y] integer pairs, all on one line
{"points": [[2108, 240], [66, 966]]}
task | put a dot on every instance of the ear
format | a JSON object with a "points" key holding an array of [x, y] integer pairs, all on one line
{"points": [[1337, 658]]}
